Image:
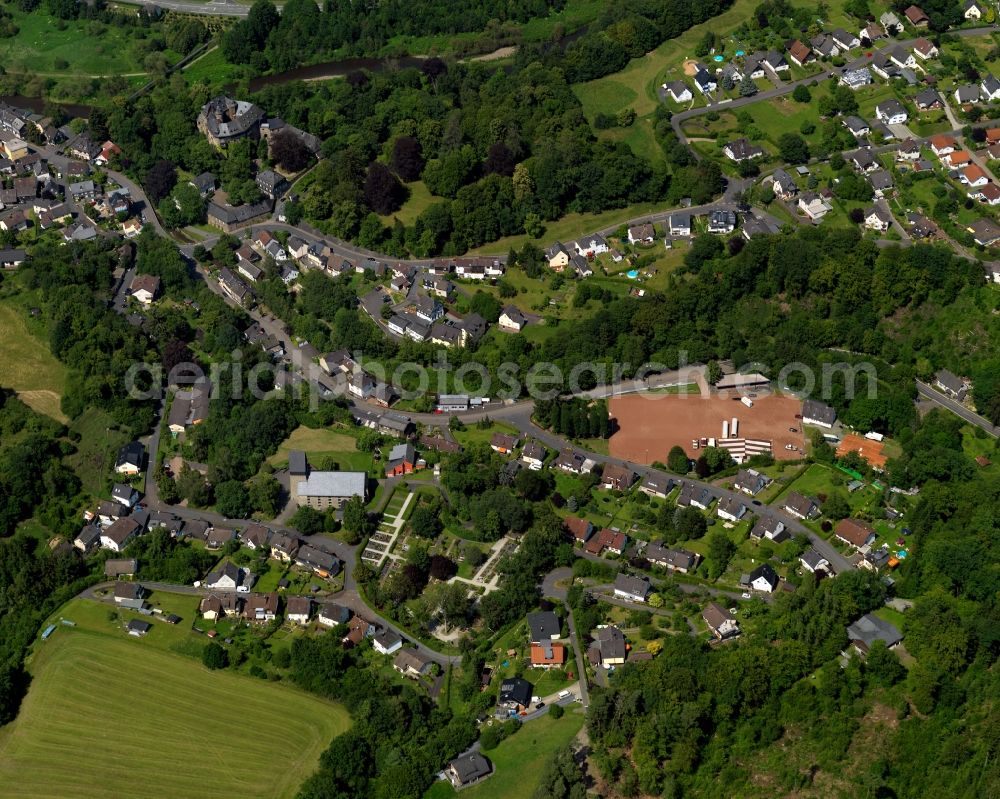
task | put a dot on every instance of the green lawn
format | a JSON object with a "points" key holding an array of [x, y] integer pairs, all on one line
{"points": [[420, 198], [473, 434], [108, 715], [518, 761], [96, 450], [321, 443], [86, 47], [211, 68], [27, 365]]}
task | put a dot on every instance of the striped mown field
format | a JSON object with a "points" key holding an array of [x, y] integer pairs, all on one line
{"points": [[114, 717]]}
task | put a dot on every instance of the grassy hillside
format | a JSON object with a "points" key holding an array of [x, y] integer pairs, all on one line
{"points": [[111, 716], [27, 365]]}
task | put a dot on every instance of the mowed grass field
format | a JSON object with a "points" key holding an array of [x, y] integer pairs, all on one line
{"points": [[518, 761], [27, 365], [322, 442], [108, 717]]}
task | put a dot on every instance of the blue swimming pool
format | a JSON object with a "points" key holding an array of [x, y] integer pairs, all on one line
{"points": [[632, 274], [740, 53], [718, 58]]}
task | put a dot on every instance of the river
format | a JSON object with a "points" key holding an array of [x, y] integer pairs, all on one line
{"points": [[37, 104]]}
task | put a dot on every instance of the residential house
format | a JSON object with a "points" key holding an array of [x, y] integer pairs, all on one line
{"points": [[543, 626], [234, 288], [672, 559], [631, 588], [971, 10], [261, 608], [255, 536], [129, 595], [131, 459], [974, 176], [88, 539], [138, 628], [990, 88], [581, 266], [742, 150], [824, 46], [283, 547], [322, 564], [924, 49], [967, 95], [125, 495], [801, 507], [609, 647], [731, 509], [657, 486], [428, 309], [330, 614], [116, 568], [270, 183], [298, 609], [579, 530], [592, 245], [775, 61], [902, 58], [989, 194], [229, 577], [721, 222], [890, 23], [503, 443], [468, 769], [856, 532], [812, 561], [870, 34], [943, 145], [720, 621], [984, 232], [679, 224], [863, 161], [218, 537], [817, 413], [572, 461], [704, 81], [856, 78], [358, 630], [782, 184], [881, 182], [617, 478], [951, 384], [219, 606], [557, 256], [696, 496], [878, 219], [323, 490], [857, 126], [11, 259], [515, 694], [891, 112], [814, 205], [764, 578], [845, 40], [402, 460], [880, 64], [512, 319], [119, 533], [869, 629], [533, 455], [642, 234], [770, 528], [800, 54], [145, 288], [750, 482], [109, 512], [410, 663], [928, 100], [678, 91], [547, 655], [916, 17], [607, 540]]}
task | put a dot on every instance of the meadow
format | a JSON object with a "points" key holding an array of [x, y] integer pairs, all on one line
{"points": [[323, 443], [27, 366], [111, 716]]}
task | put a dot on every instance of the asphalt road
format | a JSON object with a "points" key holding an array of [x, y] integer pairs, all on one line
{"points": [[935, 396]]}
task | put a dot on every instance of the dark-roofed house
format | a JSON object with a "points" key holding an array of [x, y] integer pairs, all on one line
{"points": [[331, 614], [771, 528], [228, 577], [138, 628], [856, 532], [387, 643], [720, 621], [515, 694], [298, 609], [812, 561], [764, 578], [951, 384], [617, 478], [679, 560], [916, 17], [88, 539], [117, 536], [570, 460], [261, 607], [223, 119], [284, 547], [533, 455], [731, 509], [801, 507], [818, 413], [657, 486], [543, 626], [410, 663], [120, 567], [632, 588], [869, 629], [742, 150], [503, 443], [402, 460], [468, 770], [129, 595], [695, 495], [985, 232], [512, 319], [255, 536], [928, 100], [609, 647], [130, 459], [750, 482]]}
